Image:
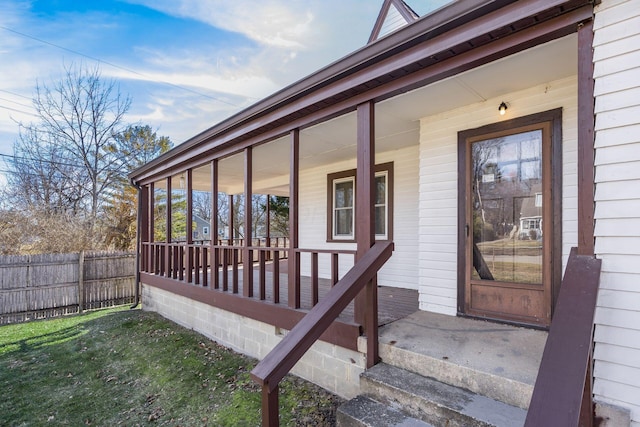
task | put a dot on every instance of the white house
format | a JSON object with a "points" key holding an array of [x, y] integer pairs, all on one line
{"points": [[480, 142]]}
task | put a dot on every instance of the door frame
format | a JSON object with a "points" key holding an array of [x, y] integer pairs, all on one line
{"points": [[554, 118]]}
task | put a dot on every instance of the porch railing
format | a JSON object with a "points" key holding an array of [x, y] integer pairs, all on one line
{"points": [[562, 395], [270, 371], [219, 266]]}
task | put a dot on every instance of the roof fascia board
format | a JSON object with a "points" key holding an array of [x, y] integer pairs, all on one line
{"points": [[322, 87], [549, 30]]}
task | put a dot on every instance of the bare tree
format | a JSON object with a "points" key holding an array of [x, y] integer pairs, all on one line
{"points": [[41, 178], [79, 117]]}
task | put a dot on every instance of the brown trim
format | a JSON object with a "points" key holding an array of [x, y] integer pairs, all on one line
{"points": [[340, 333], [144, 213], [383, 167], [168, 213], [553, 210], [188, 226], [403, 9], [562, 394], [351, 173], [586, 135], [248, 225], [294, 199], [366, 302], [238, 129], [152, 212], [215, 252]]}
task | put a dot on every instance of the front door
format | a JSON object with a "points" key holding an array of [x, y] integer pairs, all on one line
{"points": [[507, 239]]}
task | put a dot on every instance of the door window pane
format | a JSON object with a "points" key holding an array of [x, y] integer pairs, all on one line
{"points": [[506, 208]]}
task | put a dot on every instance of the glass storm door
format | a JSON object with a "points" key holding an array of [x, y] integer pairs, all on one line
{"points": [[507, 268]]}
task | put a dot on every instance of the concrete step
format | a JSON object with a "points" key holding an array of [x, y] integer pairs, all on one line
{"points": [[490, 359], [435, 402], [364, 412]]}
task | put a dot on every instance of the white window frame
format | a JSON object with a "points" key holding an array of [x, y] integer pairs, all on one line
{"points": [[334, 227], [385, 235]]}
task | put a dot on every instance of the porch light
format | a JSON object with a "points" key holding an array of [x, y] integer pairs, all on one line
{"points": [[502, 108]]}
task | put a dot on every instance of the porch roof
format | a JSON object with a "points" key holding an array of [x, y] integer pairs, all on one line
{"points": [[378, 71]]}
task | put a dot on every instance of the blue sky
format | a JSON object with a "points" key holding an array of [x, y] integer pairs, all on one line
{"points": [[186, 64]]}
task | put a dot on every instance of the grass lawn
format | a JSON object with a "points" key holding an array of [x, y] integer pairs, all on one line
{"points": [[134, 368]]}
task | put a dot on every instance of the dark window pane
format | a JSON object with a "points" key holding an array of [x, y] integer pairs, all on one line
{"points": [[344, 194], [380, 220], [344, 222], [381, 194]]}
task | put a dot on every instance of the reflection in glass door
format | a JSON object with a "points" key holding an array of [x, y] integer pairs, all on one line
{"points": [[507, 275], [507, 208]]}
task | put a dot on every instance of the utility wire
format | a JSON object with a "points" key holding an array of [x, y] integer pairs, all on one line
{"points": [[93, 58], [10, 156], [16, 102], [18, 111], [16, 94]]}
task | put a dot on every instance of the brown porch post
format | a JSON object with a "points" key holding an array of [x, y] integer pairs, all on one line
{"points": [[189, 225], [247, 267], [586, 139], [215, 252], [586, 180], [294, 258], [151, 261], [366, 303], [143, 230], [167, 263], [230, 220], [268, 221]]}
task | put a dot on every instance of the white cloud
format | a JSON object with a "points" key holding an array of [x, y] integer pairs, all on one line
{"points": [[244, 86], [269, 22], [286, 40]]}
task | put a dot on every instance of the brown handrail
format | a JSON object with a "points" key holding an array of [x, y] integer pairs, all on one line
{"points": [[562, 395], [270, 371]]}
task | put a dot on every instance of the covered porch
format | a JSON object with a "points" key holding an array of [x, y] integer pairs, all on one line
{"points": [[367, 155]]}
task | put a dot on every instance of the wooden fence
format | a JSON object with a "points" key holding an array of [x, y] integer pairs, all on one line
{"points": [[41, 286]]}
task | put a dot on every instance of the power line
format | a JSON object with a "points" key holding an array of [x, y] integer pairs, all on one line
{"points": [[16, 102], [75, 52], [18, 111], [10, 156], [14, 93]]}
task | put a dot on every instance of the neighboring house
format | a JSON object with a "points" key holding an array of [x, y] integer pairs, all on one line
{"points": [[403, 141], [202, 228]]}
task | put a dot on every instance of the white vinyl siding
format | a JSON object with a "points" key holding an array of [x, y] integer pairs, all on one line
{"points": [[402, 269], [617, 213], [439, 182]]}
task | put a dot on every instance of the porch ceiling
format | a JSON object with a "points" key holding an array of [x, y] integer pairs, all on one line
{"points": [[397, 118]]}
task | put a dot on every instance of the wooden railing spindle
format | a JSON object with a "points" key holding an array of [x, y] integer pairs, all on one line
{"points": [[234, 255], [314, 278], [225, 269], [196, 265], [276, 277], [205, 267], [263, 274]]}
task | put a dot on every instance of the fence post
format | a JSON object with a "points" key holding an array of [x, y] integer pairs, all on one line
{"points": [[81, 282]]}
